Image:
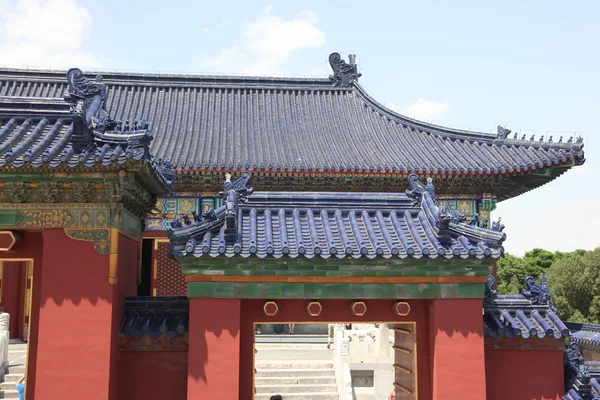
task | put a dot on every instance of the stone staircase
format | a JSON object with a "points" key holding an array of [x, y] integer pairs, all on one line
{"points": [[17, 358], [295, 370]]}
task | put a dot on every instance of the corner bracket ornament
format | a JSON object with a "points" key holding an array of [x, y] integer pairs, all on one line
{"points": [[417, 188], [187, 232], [100, 237], [344, 74], [490, 292]]}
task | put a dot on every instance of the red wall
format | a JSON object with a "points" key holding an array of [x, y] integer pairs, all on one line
{"points": [[524, 374], [153, 375], [31, 248], [456, 335], [13, 285]]}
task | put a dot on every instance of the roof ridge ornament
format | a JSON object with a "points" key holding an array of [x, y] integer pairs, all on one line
{"points": [[417, 188], [490, 293], [91, 120], [577, 374], [538, 294], [503, 132], [344, 74], [190, 231]]}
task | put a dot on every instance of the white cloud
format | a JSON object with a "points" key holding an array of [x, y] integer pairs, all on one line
{"points": [[31, 36], [266, 43], [425, 109]]}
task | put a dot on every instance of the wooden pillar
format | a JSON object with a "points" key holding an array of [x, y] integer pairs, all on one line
{"points": [[77, 351], [214, 349], [457, 349]]}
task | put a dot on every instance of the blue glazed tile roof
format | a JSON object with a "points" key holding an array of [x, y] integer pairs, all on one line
{"points": [[262, 124], [581, 376], [337, 225], [584, 333], [155, 316], [526, 315], [514, 316]]}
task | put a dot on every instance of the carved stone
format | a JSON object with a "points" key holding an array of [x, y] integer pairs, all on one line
{"points": [[4, 321]]}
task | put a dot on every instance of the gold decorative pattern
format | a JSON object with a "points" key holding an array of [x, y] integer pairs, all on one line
{"points": [[113, 262], [401, 308], [270, 308], [314, 308], [359, 308], [100, 238], [13, 240]]}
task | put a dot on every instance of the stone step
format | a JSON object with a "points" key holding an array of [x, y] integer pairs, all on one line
{"points": [[282, 365], [9, 394], [295, 338], [12, 377], [16, 369], [284, 389], [290, 346], [300, 396], [298, 373], [9, 385], [328, 379]]}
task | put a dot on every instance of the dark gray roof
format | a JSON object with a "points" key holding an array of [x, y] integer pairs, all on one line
{"points": [[38, 141], [232, 123], [311, 224]]}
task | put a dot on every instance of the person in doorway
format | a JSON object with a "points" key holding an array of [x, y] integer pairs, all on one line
{"points": [[257, 329], [331, 333], [278, 329], [291, 326], [276, 397], [21, 388]]}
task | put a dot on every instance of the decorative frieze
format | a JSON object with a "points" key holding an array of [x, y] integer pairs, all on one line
{"points": [[115, 188]]}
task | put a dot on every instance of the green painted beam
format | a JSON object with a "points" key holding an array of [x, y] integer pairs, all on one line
{"points": [[335, 290]]}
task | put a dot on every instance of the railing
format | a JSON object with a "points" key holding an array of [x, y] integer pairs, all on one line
{"points": [[4, 334], [371, 344]]}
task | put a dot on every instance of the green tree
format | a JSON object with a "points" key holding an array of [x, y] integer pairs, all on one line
{"points": [[574, 280], [512, 270]]}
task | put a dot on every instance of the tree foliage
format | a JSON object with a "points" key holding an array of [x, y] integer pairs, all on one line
{"points": [[575, 284], [574, 280], [511, 270]]}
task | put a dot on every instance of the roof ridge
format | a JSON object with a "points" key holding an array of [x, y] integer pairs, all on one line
{"points": [[454, 133], [124, 77]]}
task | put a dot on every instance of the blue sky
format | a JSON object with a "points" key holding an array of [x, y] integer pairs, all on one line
{"points": [[532, 66]]}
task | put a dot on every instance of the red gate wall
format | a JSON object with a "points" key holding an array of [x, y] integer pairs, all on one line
{"points": [[524, 374], [153, 375]]}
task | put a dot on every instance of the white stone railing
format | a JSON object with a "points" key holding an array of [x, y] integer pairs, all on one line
{"points": [[4, 335], [366, 347]]}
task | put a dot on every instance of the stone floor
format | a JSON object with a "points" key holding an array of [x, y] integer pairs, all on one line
{"points": [[17, 359]]}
